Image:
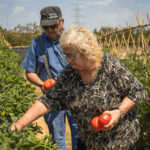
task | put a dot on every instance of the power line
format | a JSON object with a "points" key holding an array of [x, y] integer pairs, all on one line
{"points": [[7, 22], [77, 14]]}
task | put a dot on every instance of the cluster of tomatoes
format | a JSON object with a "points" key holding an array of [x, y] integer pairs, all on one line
{"points": [[98, 123]]}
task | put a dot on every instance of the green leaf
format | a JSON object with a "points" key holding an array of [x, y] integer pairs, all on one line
{"points": [[3, 113]]}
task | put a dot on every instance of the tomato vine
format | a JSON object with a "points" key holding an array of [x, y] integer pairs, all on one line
{"points": [[15, 99], [141, 71]]}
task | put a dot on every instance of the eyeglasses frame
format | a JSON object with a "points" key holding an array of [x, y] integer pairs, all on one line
{"points": [[69, 55], [52, 27]]}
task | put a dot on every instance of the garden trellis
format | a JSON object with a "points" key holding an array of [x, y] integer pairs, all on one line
{"points": [[135, 42], [122, 45]]}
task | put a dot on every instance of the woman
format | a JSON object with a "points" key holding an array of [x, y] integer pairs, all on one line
{"points": [[93, 83]]}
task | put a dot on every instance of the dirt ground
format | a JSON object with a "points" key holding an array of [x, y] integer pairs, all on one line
{"points": [[45, 131]]}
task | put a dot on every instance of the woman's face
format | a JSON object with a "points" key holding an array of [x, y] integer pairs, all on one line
{"points": [[79, 61]]}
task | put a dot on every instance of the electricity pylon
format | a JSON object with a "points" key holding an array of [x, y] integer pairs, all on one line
{"points": [[77, 14]]}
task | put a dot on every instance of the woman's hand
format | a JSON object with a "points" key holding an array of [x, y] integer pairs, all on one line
{"points": [[125, 106], [16, 125], [115, 116]]}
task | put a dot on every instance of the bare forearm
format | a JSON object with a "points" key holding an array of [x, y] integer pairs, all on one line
{"points": [[33, 78], [37, 110], [126, 105]]}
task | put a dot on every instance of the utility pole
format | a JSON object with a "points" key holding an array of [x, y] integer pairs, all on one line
{"points": [[77, 14], [7, 23]]}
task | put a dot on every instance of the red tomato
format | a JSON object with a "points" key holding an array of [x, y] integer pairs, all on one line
{"points": [[48, 84], [52, 82], [95, 125], [104, 119]]}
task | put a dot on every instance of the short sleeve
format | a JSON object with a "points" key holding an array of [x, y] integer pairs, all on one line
{"points": [[29, 63], [123, 80], [54, 99]]}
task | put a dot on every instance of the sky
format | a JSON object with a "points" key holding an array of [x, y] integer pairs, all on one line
{"points": [[93, 14]]}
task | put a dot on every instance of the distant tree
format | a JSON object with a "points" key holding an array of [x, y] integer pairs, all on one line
{"points": [[2, 30], [95, 31], [23, 35], [105, 30]]}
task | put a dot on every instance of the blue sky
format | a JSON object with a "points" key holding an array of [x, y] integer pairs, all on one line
{"points": [[94, 13]]}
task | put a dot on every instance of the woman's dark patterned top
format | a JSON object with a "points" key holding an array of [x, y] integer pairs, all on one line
{"points": [[112, 82]]}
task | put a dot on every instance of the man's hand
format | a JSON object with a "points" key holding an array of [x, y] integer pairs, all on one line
{"points": [[42, 88], [34, 79]]}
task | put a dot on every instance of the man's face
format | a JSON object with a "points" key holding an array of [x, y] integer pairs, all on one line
{"points": [[53, 34]]}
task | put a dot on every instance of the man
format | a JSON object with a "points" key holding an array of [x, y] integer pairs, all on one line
{"points": [[52, 23]]}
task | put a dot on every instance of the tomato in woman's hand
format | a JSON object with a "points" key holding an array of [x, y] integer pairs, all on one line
{"points": [[98, 123], [48, 84], [104, 119], [95, 125]]}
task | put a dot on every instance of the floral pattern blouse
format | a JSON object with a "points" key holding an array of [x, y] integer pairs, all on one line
{"points": [[111, 84]]}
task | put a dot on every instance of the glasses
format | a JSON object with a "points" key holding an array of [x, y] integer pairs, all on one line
{"points": [[52, 27], [70, 56]]}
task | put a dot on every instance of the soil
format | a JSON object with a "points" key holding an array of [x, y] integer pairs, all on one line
{"points": [[41, 123]]}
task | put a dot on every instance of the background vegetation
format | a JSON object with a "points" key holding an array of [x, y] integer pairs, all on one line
{"points": [[135, 33], [134, 63], [22, 35], [15, 99]]}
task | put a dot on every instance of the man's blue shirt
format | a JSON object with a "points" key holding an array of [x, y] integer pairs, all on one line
{"points": [[34, 58]]}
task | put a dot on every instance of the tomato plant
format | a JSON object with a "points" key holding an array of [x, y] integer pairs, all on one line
{"points": [[95, 125], [139, 66], [48, 84], [15, 99], [104, 119]]}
